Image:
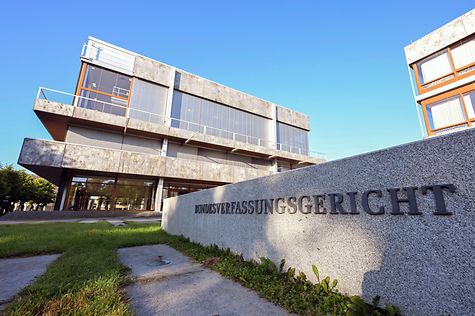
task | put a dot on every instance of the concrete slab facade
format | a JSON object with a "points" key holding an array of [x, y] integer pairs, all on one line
{"points": [[51, 154], [399, 223], [451, 32]]}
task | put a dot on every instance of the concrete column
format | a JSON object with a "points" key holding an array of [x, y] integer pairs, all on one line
{"points": [[171, 89], [159, 192], [158, 196], [163, 153], [62, 190], [273, 131], [275, 166]]}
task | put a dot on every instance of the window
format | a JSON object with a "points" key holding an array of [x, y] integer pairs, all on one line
{"points": [[103, 193], [434, 67], [204, 116], [134, 194], [464, 54], [148, 102], [446, 65], [104, 90], [469, 101], [292, 139], [445, 113], [90, 193]]}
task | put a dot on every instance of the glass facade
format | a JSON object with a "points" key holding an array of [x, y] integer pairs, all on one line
{"points": [[134, 194], [91, 193], [104, 90], [148, 102], [106, 193], [204, 116], [172, 189], [111, 92], [292, 139]]}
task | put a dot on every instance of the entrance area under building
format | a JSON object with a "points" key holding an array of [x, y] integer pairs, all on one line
{"points": [[106, 193]]}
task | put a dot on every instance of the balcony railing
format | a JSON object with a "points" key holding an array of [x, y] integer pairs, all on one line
{"points": [[108, 55], [120, 110]]}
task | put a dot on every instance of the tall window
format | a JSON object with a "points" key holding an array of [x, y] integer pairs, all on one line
{"points": [[464, 54], [204, 116], [148, 102], [91, 193], [446, 113], [452, 112], [104, 193], [435, 67], [134, 194], [291, 138], [104, 90], [469, 101]]}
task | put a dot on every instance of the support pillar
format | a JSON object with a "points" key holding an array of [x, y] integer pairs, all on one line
{"points": [[158, 196], [62, 190], [275, 166], [273, 128], [163, 153]]}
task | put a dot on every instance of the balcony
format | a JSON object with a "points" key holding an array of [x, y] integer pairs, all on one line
{"points": [[126, 118], [47, 158]]}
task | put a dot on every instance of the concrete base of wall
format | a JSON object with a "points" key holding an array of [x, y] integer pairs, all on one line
{"points": [[376, 222]]}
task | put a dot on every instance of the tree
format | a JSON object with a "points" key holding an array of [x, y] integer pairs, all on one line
{"points": [[14, 183], [4, 184], [23, 187], [44, 192]]}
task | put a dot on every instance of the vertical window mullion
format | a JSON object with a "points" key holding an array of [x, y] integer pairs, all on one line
{"points": [[467, 119]]}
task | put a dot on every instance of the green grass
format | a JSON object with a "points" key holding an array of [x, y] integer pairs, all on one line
{"points": [[88, 278]]}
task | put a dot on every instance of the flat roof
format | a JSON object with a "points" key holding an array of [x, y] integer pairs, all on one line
{"points": [[441, 38]]}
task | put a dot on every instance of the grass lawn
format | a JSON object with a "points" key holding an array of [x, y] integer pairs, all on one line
{"points": [[88, 278]]}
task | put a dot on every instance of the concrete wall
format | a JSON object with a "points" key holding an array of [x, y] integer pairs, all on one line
{"points": [[215, 92], [422, 262], [51, 155], [101, 138], [214, 156], [444, 36], [153, 71], [293, 118]]}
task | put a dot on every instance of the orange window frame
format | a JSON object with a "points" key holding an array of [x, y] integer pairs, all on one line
{"points": [[455, 71], [460, 92], [80, 87]]}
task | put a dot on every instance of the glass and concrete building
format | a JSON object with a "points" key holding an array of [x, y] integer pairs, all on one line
{"points": [[136, 131], [442, 68]]}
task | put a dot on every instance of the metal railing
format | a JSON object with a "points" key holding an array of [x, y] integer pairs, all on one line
{"points": [[120, 110], [108, 56]]}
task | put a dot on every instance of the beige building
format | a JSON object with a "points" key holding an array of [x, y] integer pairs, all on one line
{"points": [[442, 68]]}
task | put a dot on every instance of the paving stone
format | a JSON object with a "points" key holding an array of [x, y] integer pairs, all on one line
{"points": [[17, 273], [184, 287]]}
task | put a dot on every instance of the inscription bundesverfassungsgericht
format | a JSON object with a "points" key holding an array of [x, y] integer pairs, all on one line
{"points": [[338, 203]]}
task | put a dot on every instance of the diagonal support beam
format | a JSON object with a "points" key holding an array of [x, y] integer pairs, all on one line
{"points": [[188, 140]]}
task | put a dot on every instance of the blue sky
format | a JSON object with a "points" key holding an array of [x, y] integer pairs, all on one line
{"points": [[340, 62]]}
